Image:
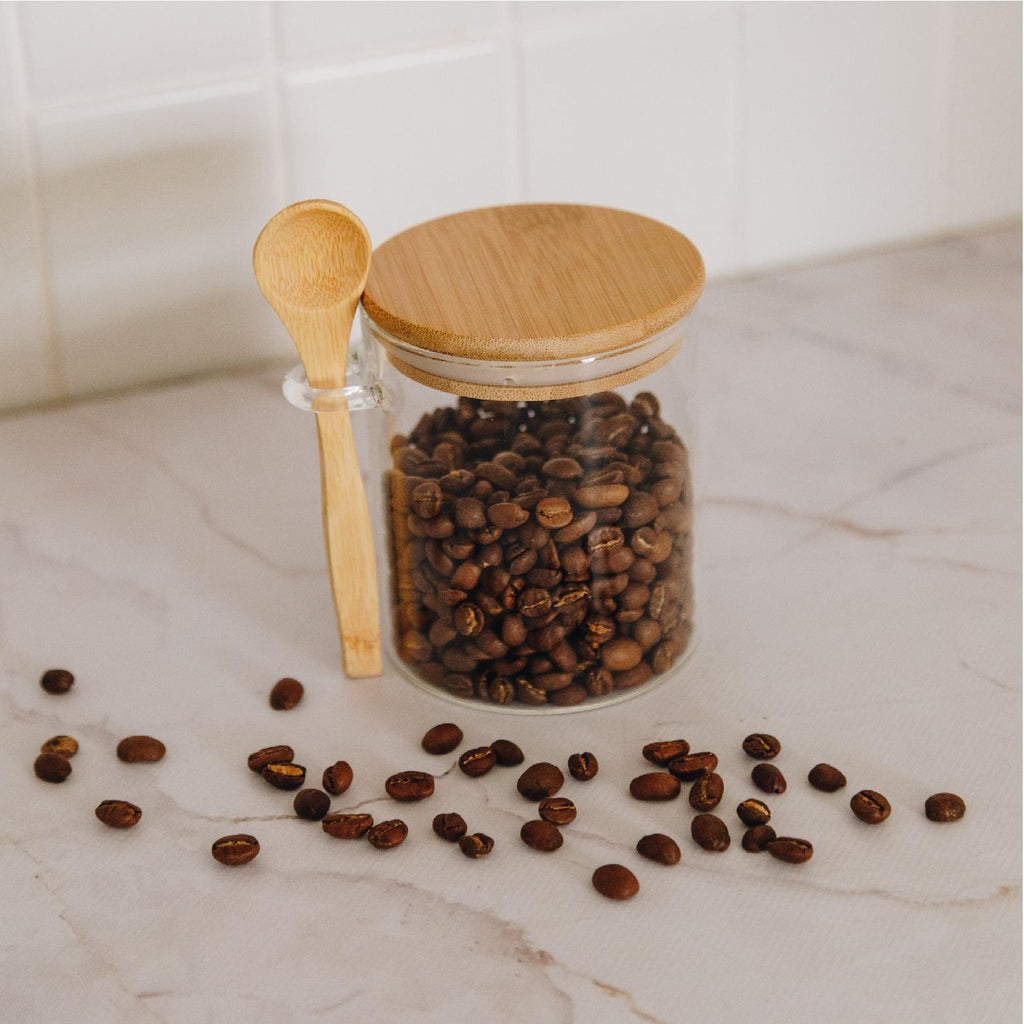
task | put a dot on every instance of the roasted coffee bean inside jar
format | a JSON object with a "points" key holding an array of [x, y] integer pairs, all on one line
{"points": [[542, 550]]}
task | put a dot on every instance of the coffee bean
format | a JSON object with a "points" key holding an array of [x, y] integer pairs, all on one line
{"points": [[52, 767], [944, 807], [661, 752], [427, 499], [541, 835], [553, 513], [284, 775], [409, 786], [475, 846], [140, 749], [710, 833], [118, 813], [507, 753], [601, 496], [337, 778], [562, 468], [790, 850], [386, 835], [470, 513], [66, 746], [615, 882], [311, 804], [655, 786], [621, 653], [639, 509], [450, 827], [645, 405], [442, 739], [826, 778], [236, 849], [285, 694], [660, 848], [582, 767], [757, 838], [691, 767], [280, 754], [706, 792], [540, 780], [762, 746], [559, 810], [768, 778], [871, 807], [478, 761], [507, 515], [56, 680], [346, 826], [754, 812]]}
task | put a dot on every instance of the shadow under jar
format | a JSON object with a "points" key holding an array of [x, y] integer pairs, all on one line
{"points": [[539, 501]]}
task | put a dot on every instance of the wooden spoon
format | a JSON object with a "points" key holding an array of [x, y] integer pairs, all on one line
{"points": [[311, 263]]}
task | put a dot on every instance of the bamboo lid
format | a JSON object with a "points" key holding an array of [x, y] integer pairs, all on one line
{"points": [[532, 282]]}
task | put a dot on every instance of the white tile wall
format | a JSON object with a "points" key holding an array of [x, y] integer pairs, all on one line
{"points": [[78, 50], [402, 139], [143, 145]]}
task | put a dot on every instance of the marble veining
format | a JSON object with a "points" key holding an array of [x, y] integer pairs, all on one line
{"points": [[859, 597]]}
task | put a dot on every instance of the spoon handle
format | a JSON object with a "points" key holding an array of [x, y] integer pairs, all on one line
{"points": [[349, 542]]}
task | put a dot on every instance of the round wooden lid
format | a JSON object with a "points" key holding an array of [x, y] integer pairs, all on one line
{"points": [[532, 282]]}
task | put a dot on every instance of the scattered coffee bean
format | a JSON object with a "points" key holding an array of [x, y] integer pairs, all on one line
{"points": [[662, 752], [451, 827], [56, 680], [706, 792], [655, 786], [235, 850], [540, 780], [762, 746], [768, 778], [660, 848], [507, 753], [337, 778], [284, 775], [118, 813], [478, 761], [346, 826], [615, 882], [311, 804], [691, 767], [66, 746], [407, 787], [386, 835], [285, 694], [757, 838], [790, 850], [280, 754], [754, 812], [52, 767], [442, 739], [710, 833], [140, 749], [826, 778], [475, 846], [871, 807], [559, 810], [541, 835], [944, 807], [582, 767]]}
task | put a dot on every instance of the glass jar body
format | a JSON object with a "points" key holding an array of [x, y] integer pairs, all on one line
{"points": [[540, 551]]}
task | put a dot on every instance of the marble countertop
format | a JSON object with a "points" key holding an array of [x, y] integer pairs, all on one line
{"points": [[859, 479]]}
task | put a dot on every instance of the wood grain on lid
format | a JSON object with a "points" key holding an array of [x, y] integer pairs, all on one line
{"points": [[532, 282]]}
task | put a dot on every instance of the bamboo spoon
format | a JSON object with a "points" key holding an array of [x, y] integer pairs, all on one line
{"points": [[311, 262]]}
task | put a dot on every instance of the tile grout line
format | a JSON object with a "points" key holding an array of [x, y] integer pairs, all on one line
{"points": [[514, 101], [284, 178], [56, 382]]}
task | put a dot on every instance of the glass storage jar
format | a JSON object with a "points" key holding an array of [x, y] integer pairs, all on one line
{"points": [[539, 503]]}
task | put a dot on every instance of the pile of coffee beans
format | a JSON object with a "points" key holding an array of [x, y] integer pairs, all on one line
{"points": [[541, 551]]}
